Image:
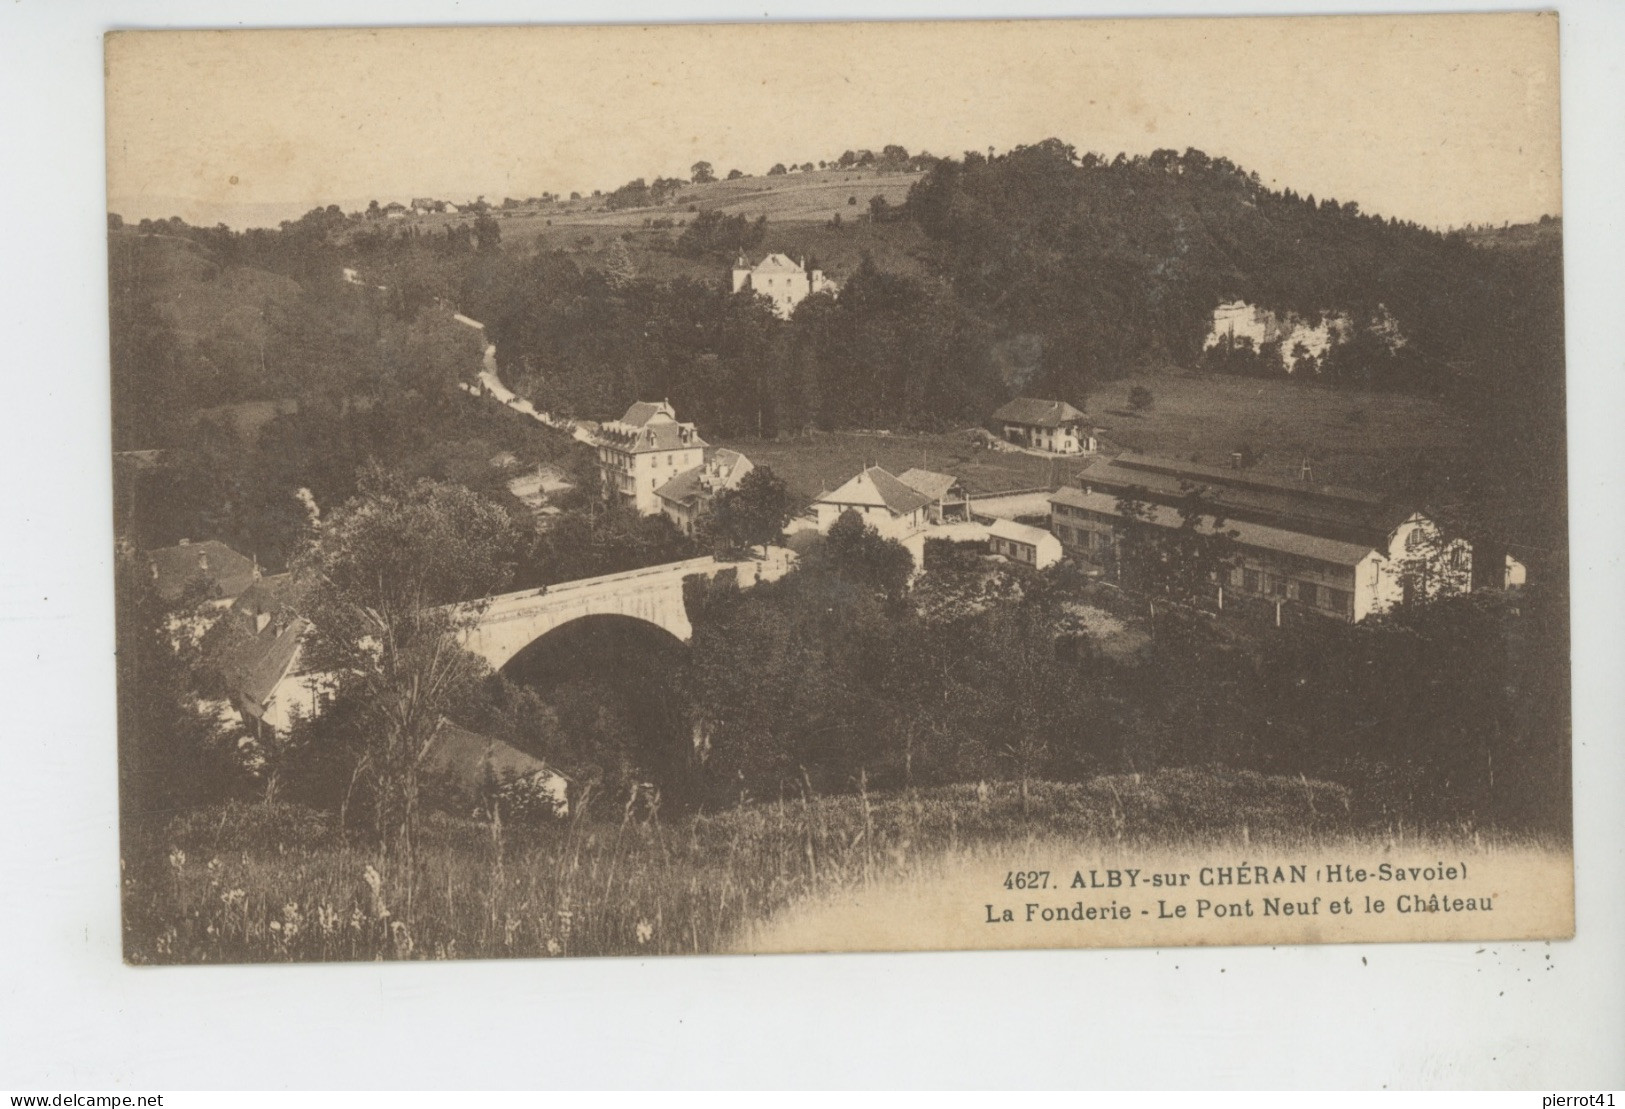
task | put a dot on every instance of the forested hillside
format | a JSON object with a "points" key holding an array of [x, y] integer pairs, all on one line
{"points": [[1039, 270], [1046, 272]]}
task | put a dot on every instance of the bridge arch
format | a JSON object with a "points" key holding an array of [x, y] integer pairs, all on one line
{"points": [[618, 707], [507, 624]]}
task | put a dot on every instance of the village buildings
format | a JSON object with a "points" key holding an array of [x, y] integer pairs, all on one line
{"points": [[688, 497], [898, 508], [1336, 551], [1024, 543], [1046, 425], [642, 451], [257, 650], [782, 281]]}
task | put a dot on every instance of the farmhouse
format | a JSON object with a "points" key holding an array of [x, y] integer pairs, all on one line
{"points": [[688, 496], [895, 510], [899, 508], [1336, 551], [642, 451], [782, 281], [1046, 425], [1023, 543]]}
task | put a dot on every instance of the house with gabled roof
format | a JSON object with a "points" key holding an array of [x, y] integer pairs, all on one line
{"points": [[266, 681], [895, 510], [949, 499], [468, 772], [1024, 543], [1046, 425], [784, 282], [256, 651], [689, 496]]}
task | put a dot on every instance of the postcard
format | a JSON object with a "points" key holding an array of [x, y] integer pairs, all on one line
{"points": [[803, 487]]}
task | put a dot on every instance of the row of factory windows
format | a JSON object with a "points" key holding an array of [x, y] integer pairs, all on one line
{"points": [[1254, 576]]}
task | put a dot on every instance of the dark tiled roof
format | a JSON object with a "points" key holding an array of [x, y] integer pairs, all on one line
{"points": [[466, 761], [653, 437], [891, 493], [683, 488], [1038, 413], [225, 572], [269, 595], [1351, 515], [1247, 534], [253, 667], [643, 411], [687, 486]]}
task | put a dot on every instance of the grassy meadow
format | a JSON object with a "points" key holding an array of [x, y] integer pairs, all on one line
{"points": [[1367, 440], [249, 883], [1363, 439]]}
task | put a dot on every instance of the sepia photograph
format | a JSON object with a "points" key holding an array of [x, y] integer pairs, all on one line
{"points": [[813, 487]]}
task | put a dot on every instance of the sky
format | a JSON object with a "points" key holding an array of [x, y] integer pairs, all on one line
{"points": [[1445, 120]]}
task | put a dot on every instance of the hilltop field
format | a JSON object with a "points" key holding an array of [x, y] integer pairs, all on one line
{"points": [[799, 208]]}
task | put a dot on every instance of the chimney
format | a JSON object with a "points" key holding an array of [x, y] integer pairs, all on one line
{"points": [[1235, 460], [203, 562]]}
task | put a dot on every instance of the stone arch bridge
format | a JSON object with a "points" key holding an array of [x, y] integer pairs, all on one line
{"points": [[508, 623]]}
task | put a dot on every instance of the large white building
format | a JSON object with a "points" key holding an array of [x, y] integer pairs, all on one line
{"points": [[642, 451], [780, 280], [1340, 552]]}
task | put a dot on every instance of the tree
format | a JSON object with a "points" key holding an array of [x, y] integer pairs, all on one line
{"points": [[735, 174], [169, 754], [857, 552], [756, 511], [701, 173], [487, 232], [1182, 562], [619, 266], [1140, 398], [386, 572], [778, 170]]}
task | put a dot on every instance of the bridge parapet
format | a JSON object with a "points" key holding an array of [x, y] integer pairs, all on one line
{"points": [[506, 624]]}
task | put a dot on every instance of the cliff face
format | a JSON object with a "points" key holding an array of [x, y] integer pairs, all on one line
{"points": [[1300, 343]]}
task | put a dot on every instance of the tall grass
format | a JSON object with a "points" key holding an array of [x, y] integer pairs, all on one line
{"points": [[241, 883]]}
